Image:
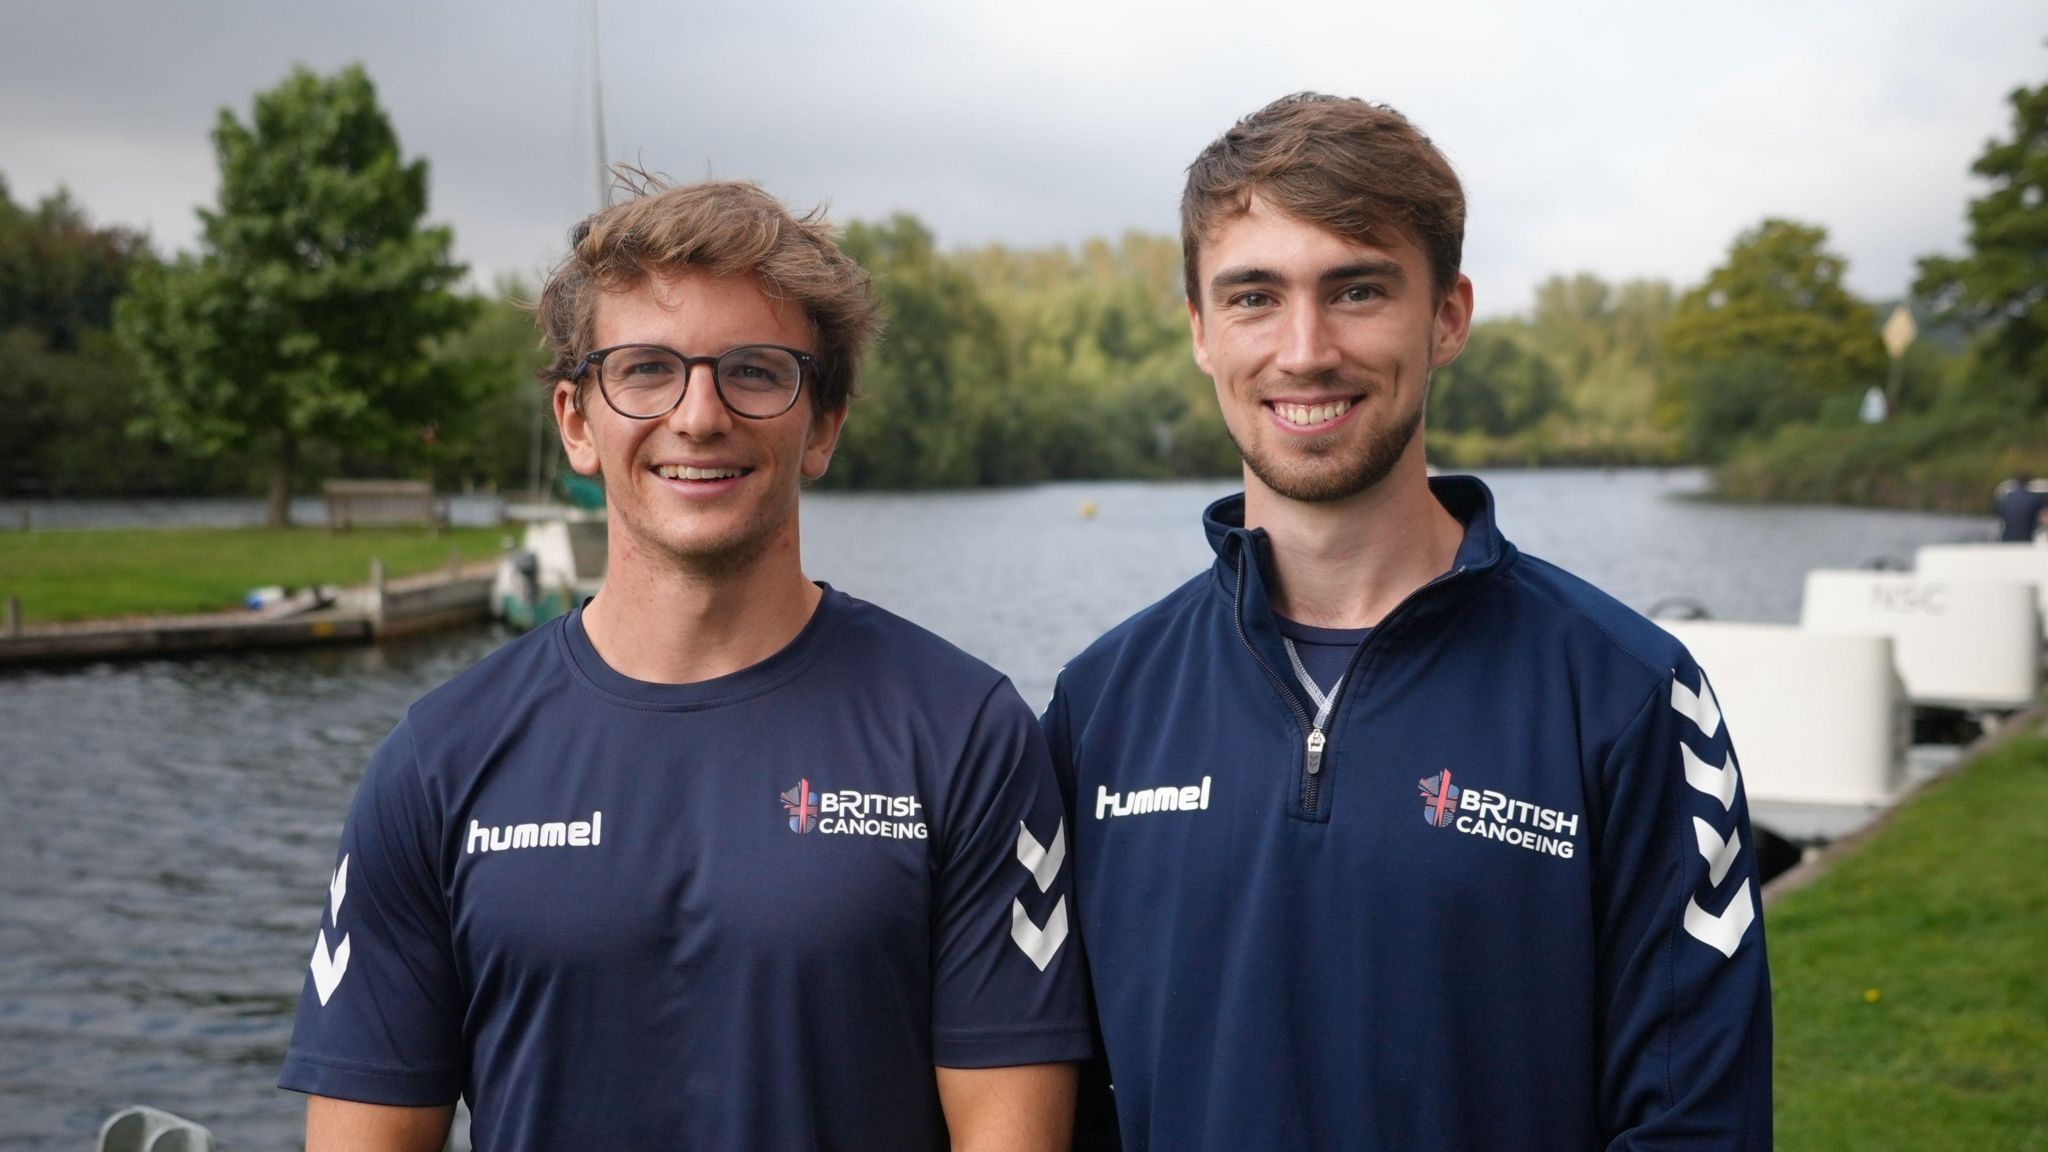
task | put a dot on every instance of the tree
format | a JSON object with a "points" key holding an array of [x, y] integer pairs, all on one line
{"points": [[1495, 386], [933, 393], [308, 314], [1776, 315], [2003, 282]]}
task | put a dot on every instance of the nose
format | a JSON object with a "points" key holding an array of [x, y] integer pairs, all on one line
{"points": [[701, 415], [1306, 348]]}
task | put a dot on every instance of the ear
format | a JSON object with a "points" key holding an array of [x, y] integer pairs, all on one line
{"points": [[1195, 331], [574, 427], [1453, 323], [822, 437]]}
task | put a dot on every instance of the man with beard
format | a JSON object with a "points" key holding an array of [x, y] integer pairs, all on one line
{"points": [[1389, 836]]}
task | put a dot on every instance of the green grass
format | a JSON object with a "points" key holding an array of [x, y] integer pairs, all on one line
{"points": [[90, 575], [1911, 982]]}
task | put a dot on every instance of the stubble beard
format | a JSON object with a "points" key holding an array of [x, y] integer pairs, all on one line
{"points": [[1326, 476], [730, 553]]}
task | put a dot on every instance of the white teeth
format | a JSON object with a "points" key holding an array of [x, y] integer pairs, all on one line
{"points": [[1308, 415], [685, 472]]}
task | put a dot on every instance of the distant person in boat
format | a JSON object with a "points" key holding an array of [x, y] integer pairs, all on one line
{"points": [[1390, 836], [725, 859], [2021, 505]]}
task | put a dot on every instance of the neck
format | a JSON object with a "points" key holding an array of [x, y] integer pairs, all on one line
{"points": [[665, 620], [1347, 563]]}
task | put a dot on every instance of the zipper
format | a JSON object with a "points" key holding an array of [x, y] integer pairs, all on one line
{"points": [[1316, 741]]}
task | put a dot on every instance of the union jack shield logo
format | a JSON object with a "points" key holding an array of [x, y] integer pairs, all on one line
{"points": [[1439, 799], [802, 804]]}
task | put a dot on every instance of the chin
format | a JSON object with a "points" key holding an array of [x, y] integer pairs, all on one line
{"points": [[1318, 474]]}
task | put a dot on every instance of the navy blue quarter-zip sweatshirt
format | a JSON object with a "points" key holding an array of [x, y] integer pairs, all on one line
{"points": [[1505, 898]]}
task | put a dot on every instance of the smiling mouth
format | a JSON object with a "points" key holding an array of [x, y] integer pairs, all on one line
{"points": [[1310, 415], [686, 472]]}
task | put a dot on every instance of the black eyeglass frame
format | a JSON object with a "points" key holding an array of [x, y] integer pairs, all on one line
{"points": [[806, 368]]}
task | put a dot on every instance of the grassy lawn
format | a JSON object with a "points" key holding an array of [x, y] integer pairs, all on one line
{"points": [[1911, 983], [146, 571]]}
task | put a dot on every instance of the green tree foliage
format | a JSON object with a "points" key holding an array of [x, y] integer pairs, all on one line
{"points": [[492, 441], [1496, 386], [933, 396], [1773, 319], [308, 315], [65, 385], [2002, 284], [1007, 367]]}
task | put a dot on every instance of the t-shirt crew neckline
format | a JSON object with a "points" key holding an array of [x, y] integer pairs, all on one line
{"points": [[1310, 634], [766, 675]]}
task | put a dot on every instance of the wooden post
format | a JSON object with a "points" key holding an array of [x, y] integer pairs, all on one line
{"points": [[12, 625], [377, 596], [455, 563], [26, 517]]}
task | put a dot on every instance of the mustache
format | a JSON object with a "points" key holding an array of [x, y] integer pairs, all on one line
{"points": [[1327, 385]]}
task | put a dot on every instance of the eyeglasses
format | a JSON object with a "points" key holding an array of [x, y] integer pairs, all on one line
{"points": [[647, 381]]}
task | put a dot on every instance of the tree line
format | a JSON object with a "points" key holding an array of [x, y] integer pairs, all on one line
{"points": [[319, 329]]}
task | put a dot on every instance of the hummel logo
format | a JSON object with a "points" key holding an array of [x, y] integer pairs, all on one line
{"points": [[1040, 944], [329, 969], [1699, 707], [1138, 801], [1723, 932]]}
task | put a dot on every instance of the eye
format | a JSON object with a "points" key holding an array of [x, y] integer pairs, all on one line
{"points": [[1361, 293], [1252, 300]]}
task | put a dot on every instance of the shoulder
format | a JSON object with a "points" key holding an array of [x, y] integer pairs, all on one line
{"points": [[468, 703], [1604, 640], [881, 651]]}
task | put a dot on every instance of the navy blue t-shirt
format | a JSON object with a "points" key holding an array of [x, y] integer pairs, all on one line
{"points": [[750, 912], [1325, 653]]}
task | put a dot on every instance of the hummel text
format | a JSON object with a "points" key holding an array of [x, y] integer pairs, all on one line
{"points": [[554, 834], [1189, 798]]}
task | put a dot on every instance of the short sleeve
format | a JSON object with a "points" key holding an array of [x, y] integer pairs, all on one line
{"points": [[380, 1017], [1007, 980]]}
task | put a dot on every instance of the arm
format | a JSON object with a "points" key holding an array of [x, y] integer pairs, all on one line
{"points": [[347, 1126], [1686, 1030], [381, 1008], [1028, 1108]]}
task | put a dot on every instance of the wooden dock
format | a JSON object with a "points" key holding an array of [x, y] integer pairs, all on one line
{"points": [[381, 609]]}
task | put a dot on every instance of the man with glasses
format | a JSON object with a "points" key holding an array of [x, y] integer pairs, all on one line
{"points": [[726, 858], [1387, 835]]}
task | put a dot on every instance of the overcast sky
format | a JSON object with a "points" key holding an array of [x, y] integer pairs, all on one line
{"points": [[1629, 139]]}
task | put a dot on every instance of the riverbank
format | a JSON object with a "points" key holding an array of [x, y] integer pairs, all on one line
{"points": [[107, 574], [1911, 1010], [1938, 462]]}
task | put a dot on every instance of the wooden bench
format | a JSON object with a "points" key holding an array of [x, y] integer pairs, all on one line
{"points": [[381, 503]]}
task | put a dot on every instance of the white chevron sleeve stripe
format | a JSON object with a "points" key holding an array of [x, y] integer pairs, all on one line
{"points": [[1699, 707]]}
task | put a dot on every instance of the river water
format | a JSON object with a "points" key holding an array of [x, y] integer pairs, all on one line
{"points": [[166, 828]]}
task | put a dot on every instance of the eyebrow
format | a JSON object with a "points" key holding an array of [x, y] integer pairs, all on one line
{"points": [[1249, 276]]}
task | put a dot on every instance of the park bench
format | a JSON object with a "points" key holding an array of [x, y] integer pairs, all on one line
{"points": [[382, 503]]}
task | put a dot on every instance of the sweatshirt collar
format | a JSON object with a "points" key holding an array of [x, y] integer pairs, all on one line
{"points": [[1482, 550]]}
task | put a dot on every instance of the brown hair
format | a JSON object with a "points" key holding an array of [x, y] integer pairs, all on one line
{"points": [[1359, 170], [724, 228]]}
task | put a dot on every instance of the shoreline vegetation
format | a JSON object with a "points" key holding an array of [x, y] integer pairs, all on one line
{"points": [[68, 575], [1906, 982], [123, 374]]}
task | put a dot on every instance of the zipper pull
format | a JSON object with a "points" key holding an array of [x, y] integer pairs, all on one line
{"points": [[1315, 751]]}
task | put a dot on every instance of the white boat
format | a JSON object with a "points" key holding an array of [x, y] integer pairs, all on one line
{"points": [[1816, 718], [2027, 563], [558, 563], [1969, 644]]}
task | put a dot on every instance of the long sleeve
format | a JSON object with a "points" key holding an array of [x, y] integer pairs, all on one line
{"points": [[1686, 1027]]}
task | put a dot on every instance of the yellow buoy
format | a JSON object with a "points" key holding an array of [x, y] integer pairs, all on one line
{"points": [[1087, 509]]}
